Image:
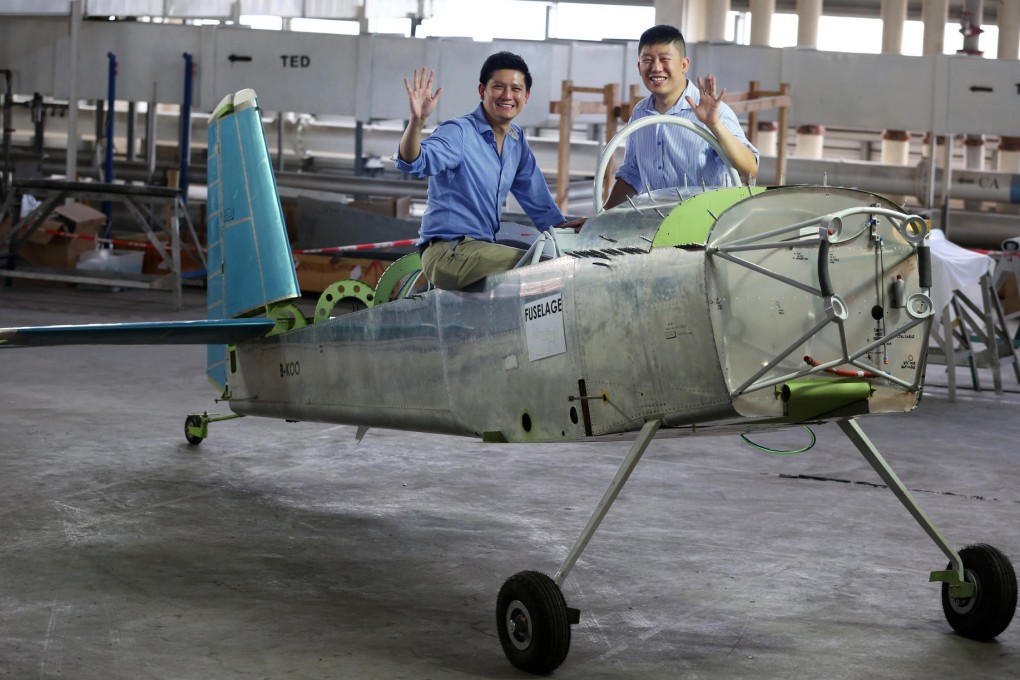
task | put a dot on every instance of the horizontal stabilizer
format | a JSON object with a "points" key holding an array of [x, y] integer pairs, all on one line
{"points": [[199, 332]]}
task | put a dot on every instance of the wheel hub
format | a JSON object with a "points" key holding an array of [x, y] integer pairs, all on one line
{"points": [[518, 625], [964, 605]]}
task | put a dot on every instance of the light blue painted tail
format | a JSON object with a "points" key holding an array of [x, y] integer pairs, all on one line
{"points": [[250, 263]]}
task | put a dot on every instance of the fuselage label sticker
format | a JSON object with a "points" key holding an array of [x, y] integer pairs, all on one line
{"points": [[543, 327]]}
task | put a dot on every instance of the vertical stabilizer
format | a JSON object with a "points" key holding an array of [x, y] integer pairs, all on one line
{"points": [[250, 263]]}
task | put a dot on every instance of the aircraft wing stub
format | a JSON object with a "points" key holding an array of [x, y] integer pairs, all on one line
{"points": [[199, 332]]}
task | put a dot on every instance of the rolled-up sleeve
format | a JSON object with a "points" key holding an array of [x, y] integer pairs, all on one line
{"points": [[532, 192], [440, 151]]}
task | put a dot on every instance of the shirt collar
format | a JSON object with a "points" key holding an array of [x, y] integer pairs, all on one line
{"points": [[483, 127], [690, 91]]}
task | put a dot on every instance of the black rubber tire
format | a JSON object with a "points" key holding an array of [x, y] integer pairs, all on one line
{"points": [[532, 604], [989, 611], [192, 421]]}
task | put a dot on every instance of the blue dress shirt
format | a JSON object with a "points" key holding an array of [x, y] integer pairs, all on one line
{"points": [[469, 180], [666, 156]]}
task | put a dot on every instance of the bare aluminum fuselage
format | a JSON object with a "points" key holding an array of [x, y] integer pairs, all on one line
{"points": [[599, 342]]}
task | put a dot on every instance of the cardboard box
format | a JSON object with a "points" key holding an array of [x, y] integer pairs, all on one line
{"points": [[61, 239], [316, 272], [152, 263], [1009, 295], [399, 206], [80, 216]]}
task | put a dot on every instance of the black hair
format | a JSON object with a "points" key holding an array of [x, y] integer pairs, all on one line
{"points": [[504, 60], [663, 34]]}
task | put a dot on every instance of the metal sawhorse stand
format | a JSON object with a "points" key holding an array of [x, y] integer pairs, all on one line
{"points": [[141, 201], [976, 336]]}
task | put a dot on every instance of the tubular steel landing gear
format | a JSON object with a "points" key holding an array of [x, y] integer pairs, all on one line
{"points": [[978, 585], [532, 617], [196, 426]]}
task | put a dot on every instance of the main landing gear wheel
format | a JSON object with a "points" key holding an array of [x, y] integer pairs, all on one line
{"points": [[533, 622], [989, 611], [190, 422]]}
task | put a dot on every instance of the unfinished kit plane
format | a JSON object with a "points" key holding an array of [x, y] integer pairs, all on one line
{"points": [[689, 311]]}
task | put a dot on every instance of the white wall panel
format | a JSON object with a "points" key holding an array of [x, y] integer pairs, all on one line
{"points": [[362, 76], [148, 56], [386, 61], [28, 49], [871, 91], [983, 96], [735, 66], [304, 72], [545, 88], [595, 65], [460, 64]]}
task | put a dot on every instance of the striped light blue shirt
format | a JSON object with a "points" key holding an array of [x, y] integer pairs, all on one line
{"points": [[665, 156]]}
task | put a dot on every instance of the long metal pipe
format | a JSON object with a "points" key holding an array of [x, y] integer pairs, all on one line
{"points": [[71, 171], [186, 126], [5, 178]]}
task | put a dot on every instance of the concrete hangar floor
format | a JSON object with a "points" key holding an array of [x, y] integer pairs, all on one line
{"points": [[279, 550]]}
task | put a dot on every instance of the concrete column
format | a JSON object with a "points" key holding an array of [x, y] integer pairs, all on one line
{"points": [[810, 140], [715, 23], [677, 13], [895, 147], [1009, 29], [808, 14], [896, 151], [1008, 157], [940, 145], [974, 159], [895, 143], [761, 21], [975, 152], [894, 16], [934, 15], [768, 137]]}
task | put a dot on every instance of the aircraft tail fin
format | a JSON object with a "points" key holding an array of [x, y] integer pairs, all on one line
{"points": [[250, 262]]}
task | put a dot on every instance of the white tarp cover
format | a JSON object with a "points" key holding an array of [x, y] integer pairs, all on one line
{"points": [[954, 268]]}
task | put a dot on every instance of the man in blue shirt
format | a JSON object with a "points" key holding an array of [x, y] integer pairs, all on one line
{"points": [[663, 156], [472, 163]]}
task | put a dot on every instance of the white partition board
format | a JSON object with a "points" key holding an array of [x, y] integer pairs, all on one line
{"points": [[304, 72]]}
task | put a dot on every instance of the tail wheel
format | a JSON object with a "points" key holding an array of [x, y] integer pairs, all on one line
{"points": [[191, 424], [990, 609], [533, 622]]}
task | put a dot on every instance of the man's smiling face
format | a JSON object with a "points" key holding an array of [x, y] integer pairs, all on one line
{"points": [[504, 96], [664, 71]]}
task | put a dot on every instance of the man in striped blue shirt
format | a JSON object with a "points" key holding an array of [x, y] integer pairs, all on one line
{"points": [[663, 156]]}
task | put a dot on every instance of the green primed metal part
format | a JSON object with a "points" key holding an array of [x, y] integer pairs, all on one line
{"points": [[814, 399], [339, 290], [691, 222], [394, 274], [409, 264], [287, 317], [202, 429], [958, 588]]}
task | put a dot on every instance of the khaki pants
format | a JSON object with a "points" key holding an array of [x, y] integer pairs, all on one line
{"points": [[453, 265]]}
